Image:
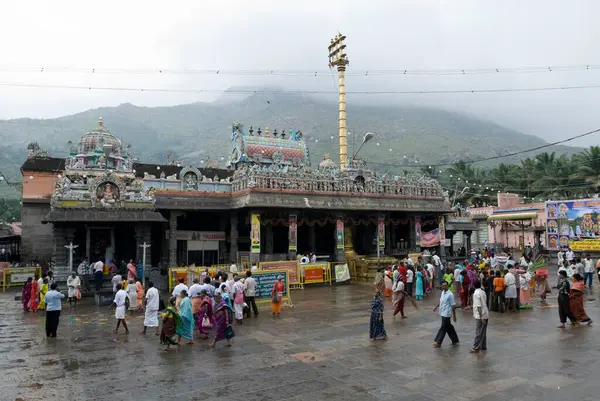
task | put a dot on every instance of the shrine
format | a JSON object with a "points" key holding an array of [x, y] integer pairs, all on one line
{"points": [[270, 204]]}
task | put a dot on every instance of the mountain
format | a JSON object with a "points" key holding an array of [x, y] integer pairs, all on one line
{"points": [[197, 131]]}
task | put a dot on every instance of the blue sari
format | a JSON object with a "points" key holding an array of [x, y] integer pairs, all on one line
{"points": [[186, 330], [419, 288], [376, 329]]}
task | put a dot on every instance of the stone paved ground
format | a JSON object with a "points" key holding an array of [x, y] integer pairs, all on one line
{"points": [[318, 350]]}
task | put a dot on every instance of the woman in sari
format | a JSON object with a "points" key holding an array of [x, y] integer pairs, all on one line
{"points": [[464, 289], [132, 294], [206, 319], [26, 294], [34, 300], [419, 286], [376, 328], [277, 296], [171, 322], [222, 320], [379, 281], [576, 298], [398, 298], [186, 330], [43, 292], [140, 295], [388, 283]]}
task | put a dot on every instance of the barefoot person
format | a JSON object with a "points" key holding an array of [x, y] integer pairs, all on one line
{"points": [[564, 306], [152, 302], [447, 308], [53, 308], [398, 297], [223, 329], [481, 315], [120, 303], [577, 310], [376, 326], [186, 329], [171, 321]]}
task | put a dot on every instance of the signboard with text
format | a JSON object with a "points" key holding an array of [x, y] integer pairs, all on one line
{"points": [[265, 280], [291, 266], [197, 235], [574, 224]]}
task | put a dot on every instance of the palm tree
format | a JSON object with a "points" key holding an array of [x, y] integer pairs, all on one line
{"points": [[588, 167]]}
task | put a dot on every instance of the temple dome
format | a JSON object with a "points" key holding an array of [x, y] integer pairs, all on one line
{"points": [[94, 141], [327, 162]]}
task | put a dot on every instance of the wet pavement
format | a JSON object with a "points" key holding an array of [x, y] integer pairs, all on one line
{"points": [[317, 350]]}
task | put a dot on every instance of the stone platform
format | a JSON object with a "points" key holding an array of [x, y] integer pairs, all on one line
{"points": [[318, 350]]}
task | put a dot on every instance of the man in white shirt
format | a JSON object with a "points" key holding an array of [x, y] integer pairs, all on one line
{"points": [[457, 279], [120, 304], [98, 272], [409, 281], [560, 256], [481, 315], [250, 293], [117, 279], [180, 287], [570, 255], [152, 306], [494, 262], [194, 289], [233, 268], [588, 268], [437, 263]]}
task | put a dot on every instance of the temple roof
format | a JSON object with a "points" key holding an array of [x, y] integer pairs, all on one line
{"points": [[49, 164], [171, 169]]}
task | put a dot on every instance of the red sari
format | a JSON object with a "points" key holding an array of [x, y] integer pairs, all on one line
{"points": [[464, 291], [34, 300]]}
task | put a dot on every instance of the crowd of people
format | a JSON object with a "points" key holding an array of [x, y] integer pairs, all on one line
{"points": [[210, 308], [484, 282]]}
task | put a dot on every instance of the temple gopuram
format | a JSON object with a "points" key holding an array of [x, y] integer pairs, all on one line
{"points": [[271, 203]]}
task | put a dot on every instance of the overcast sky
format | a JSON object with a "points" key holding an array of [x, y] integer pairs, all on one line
{"points": [[285, 35]]}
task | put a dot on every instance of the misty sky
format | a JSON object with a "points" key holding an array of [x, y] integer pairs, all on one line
{"points": [[286, 35]]}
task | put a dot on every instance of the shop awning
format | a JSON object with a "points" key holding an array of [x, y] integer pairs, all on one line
{"points": [[512, 216], [91, 216]]}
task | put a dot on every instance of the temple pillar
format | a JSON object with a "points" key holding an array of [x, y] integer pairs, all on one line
{"points": [[392, 238], [255, 240], [223, 244], [139, 240], [233, 236], [269, 239], [339, 238], [312, 238], [172, 238], [411, 245], [292, 236], [388, 238], [467, 235]]}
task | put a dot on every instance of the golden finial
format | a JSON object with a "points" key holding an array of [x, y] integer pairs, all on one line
{"points": [[266, 131], [100, 125]]}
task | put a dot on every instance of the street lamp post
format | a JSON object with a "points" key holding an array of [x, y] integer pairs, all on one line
{"points": [[368, 136], [71, 248], [339, 59]]}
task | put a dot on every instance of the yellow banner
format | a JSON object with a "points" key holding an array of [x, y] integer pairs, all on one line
{"points": [[585, 245]]}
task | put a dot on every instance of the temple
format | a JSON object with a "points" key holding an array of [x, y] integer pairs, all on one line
{"points": [[269, 204]]}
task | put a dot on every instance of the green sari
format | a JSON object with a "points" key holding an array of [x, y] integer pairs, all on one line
{"points": [[171, 323]]}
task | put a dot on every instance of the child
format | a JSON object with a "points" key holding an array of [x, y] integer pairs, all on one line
{"points": [[498, 302], [543, 287]]}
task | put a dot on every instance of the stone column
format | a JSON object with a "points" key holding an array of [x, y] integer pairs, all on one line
{"points": [[255, 238], [269, 239], [411, 245], [172, 239], [340, 232], [312, 238], [139, 240], [468, 241], [388, 239], [147, 238], [292, 236], [233, 236]]}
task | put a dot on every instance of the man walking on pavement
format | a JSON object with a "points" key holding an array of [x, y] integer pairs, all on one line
{"points": [[447, 308], [481, 315]]}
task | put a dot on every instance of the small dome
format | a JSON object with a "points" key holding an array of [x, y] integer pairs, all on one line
{"points": [[327, 162], [94, 141]]}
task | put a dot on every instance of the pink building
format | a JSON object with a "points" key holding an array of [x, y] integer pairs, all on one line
{"points": [[511, 224]]}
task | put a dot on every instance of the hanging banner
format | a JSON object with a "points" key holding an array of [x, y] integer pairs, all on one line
{"points": [[573, 224], [255, 233], [342, 273], [442, 227], [339, 234], [417, 231], [430, 238], [381, 231], [292, 233]]}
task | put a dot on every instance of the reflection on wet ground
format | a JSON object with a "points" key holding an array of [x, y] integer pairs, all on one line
{"points": [[317, 350]]}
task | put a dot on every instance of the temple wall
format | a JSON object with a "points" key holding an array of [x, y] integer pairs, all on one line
{"points": [[36, 238]]}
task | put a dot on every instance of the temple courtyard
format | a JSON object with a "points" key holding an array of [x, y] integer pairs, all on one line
{"points": [[317, 350]]}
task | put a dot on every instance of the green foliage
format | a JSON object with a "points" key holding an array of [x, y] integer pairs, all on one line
{"points": [[546, 176], [10, 210]]}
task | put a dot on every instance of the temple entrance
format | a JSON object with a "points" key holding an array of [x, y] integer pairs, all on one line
{"points": [[101, 244], [325, 240]]}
